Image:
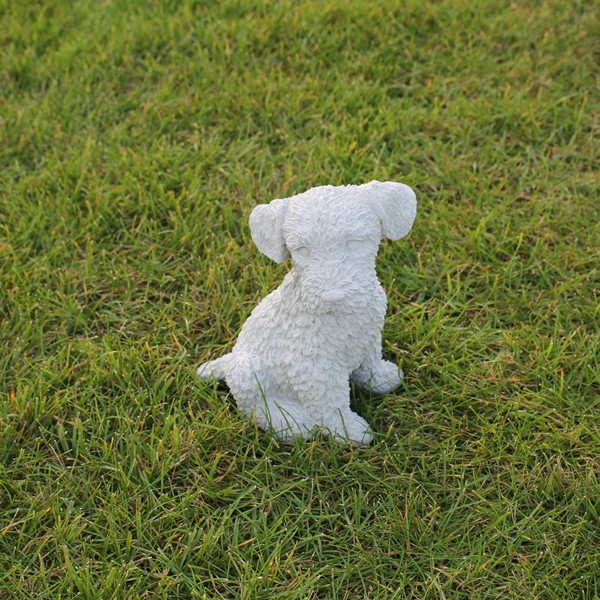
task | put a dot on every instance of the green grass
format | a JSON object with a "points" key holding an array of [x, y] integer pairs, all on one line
{"points": [[136, 138]]}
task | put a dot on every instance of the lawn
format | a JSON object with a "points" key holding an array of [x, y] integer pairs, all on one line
{"points": [[136, 137]]}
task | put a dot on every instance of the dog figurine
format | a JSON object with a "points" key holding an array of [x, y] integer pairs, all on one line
{"points": [[291, 367]]}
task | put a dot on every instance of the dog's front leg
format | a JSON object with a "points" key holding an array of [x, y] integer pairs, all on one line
{"points": [[327, 398], [378, 375]]}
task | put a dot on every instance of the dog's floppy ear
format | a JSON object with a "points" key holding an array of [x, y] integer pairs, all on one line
{"points": [[395, 205], [266, 226]]}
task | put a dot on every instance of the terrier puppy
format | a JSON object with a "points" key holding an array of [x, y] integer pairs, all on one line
{"points": [[291, 366]]}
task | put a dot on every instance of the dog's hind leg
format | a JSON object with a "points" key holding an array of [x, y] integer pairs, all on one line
{"points": [[376, 374], [256, 396]]}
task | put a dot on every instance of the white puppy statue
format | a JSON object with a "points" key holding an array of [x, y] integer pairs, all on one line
{"points": [[297, 352]]}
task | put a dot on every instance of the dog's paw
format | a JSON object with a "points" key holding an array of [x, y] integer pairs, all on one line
{"points": [[350, 427], [284, 419], [386, 378], [364, 438]]}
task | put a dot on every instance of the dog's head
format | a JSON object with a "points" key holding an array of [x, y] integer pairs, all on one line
{"points": [[332, 234]]}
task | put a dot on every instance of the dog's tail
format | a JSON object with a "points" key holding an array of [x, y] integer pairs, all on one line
{"points": [[214, 369], [242, 376]]}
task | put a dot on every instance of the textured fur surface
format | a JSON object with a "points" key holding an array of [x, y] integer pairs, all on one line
{"points": [[291, 366]]}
